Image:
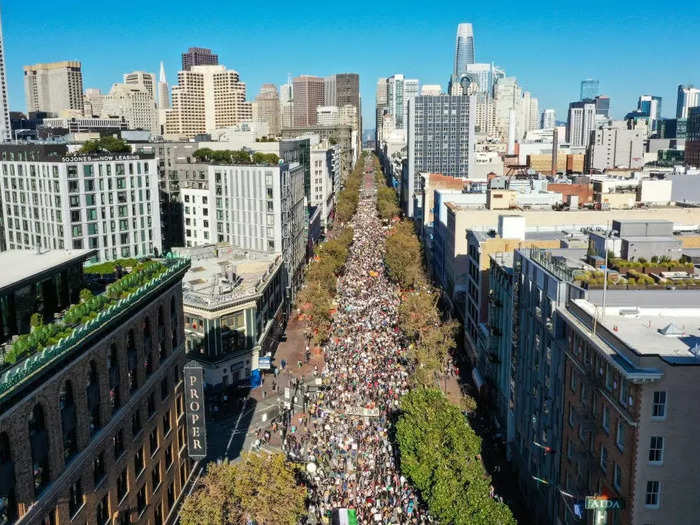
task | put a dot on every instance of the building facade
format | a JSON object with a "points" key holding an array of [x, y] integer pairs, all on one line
{"points": [[616, 146], [54, 87], [580, 122], [688, 97], [96, 433], [54, 200], [267, 108], [5, 129], [206, 98], [134, 103], [464, 48], [198, 56], [142, 78], [308, 95]]}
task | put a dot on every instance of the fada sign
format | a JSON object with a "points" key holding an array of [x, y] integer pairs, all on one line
{"points": [[598, 503]]}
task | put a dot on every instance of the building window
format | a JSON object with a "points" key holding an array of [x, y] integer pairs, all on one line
{"points": [[606, 418], [67, 407], [136, 425], [653, 494], [620, 435], [169, 455], [141, 500], [103, 511], [118, 441], [155, 477], [573, 380], [93, 398], [8, 500], [571, 416], [139, 462], [656, 450], [98, 468], [122, 487], [659, 405], [75, 498], [151, 404], [154, 441], [166, 423], [604, 458], [39, 442], [617, 477]]}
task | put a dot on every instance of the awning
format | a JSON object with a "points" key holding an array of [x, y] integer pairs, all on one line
{"points": [[478, 380]]}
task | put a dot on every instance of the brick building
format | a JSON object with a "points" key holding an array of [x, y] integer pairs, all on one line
{"points": [[92, 429]]}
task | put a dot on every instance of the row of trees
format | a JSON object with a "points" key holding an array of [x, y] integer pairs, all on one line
{"points": [[316, 299], [227, 156], [387, 199], [440, 452], [261, 488], [106, 144]]}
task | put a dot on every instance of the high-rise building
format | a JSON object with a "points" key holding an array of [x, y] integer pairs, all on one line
{"points": [[692, 145], [308, 95], [589, 89], [400, 91], [381, 107], [440, 139], [266, 108], [580, 122], [163, 92], [142, 78], [430, 90], [98, 202], [549, 119], [5, 130], [54, 87], [508, 96], [287, 105], [650, 105], [614, 145], [688, 97], [602, 105], [134, 103], [484, 74], [198, 56], [464, 48], [207, 98], [329, 91], [347, 90], [93, 426]]}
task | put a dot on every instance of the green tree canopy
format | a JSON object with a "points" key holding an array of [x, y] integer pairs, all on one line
{"points": [[107, 144], [440, 454], [262, 487]]}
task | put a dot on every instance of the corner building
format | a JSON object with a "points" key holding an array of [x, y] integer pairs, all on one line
{"points": [[94, 432]]}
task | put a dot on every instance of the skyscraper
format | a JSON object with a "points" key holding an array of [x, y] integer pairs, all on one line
{"points": [[207, 98], [308, 95], [54, 87], [464, 48], [602, 105], [198, 56], [134, 103], [400, 91], [581, 121], [549, 119], [142, 78], [589, 89], [163, 94], [688, 97], [5, 131], [287, 105], [650, 105], [266, 108]]}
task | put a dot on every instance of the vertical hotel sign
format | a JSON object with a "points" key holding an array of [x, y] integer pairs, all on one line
{"points": [[194, 410]]}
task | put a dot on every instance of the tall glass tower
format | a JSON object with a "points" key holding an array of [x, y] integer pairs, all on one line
{"points": [[464, 49], [589, 89]]}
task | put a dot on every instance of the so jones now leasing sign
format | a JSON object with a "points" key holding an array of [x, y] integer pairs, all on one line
{"points": [[194, 409]]}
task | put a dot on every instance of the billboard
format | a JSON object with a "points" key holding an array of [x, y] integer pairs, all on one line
{"points": [[195, 411]]}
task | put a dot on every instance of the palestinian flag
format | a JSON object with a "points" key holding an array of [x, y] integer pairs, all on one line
{"points": [[344, 517]]}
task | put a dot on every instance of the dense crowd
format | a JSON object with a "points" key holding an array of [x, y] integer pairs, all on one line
{"points": [[353, 460]]}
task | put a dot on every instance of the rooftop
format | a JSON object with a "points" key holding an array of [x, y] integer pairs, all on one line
{"points": [[21, 265], [654, 328], [222, 275]]}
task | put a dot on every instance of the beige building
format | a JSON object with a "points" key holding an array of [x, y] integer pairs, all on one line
{"points": [[54, 87], [206, 98], [147, 80], [630, 404], [134, 103], [93, 100], [266, 108]]}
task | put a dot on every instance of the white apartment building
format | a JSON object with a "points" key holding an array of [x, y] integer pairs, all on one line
{"points": [[400, 91], [54, 87], [581, 122], [325, 178], [255, 207], [56, 200], [616, 146], [134, 103], [142, 78], [206, 98]]}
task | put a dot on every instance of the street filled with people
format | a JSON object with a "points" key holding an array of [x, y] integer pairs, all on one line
{"points": [[342, 434]]}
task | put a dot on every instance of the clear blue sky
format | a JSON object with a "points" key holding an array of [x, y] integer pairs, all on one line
{"points": [[633, 48]]}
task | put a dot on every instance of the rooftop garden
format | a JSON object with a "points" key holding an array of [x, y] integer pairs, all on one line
{"points": [[654, 265], [111, 267], [634, 279], [238, 157], [106, 144], [46, 335]]}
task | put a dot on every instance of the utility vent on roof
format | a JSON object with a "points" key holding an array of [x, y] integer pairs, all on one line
{"points": [[671, 330], [629, 312]]}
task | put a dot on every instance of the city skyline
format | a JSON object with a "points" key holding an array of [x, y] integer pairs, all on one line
{"points": [[542, 63]]}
